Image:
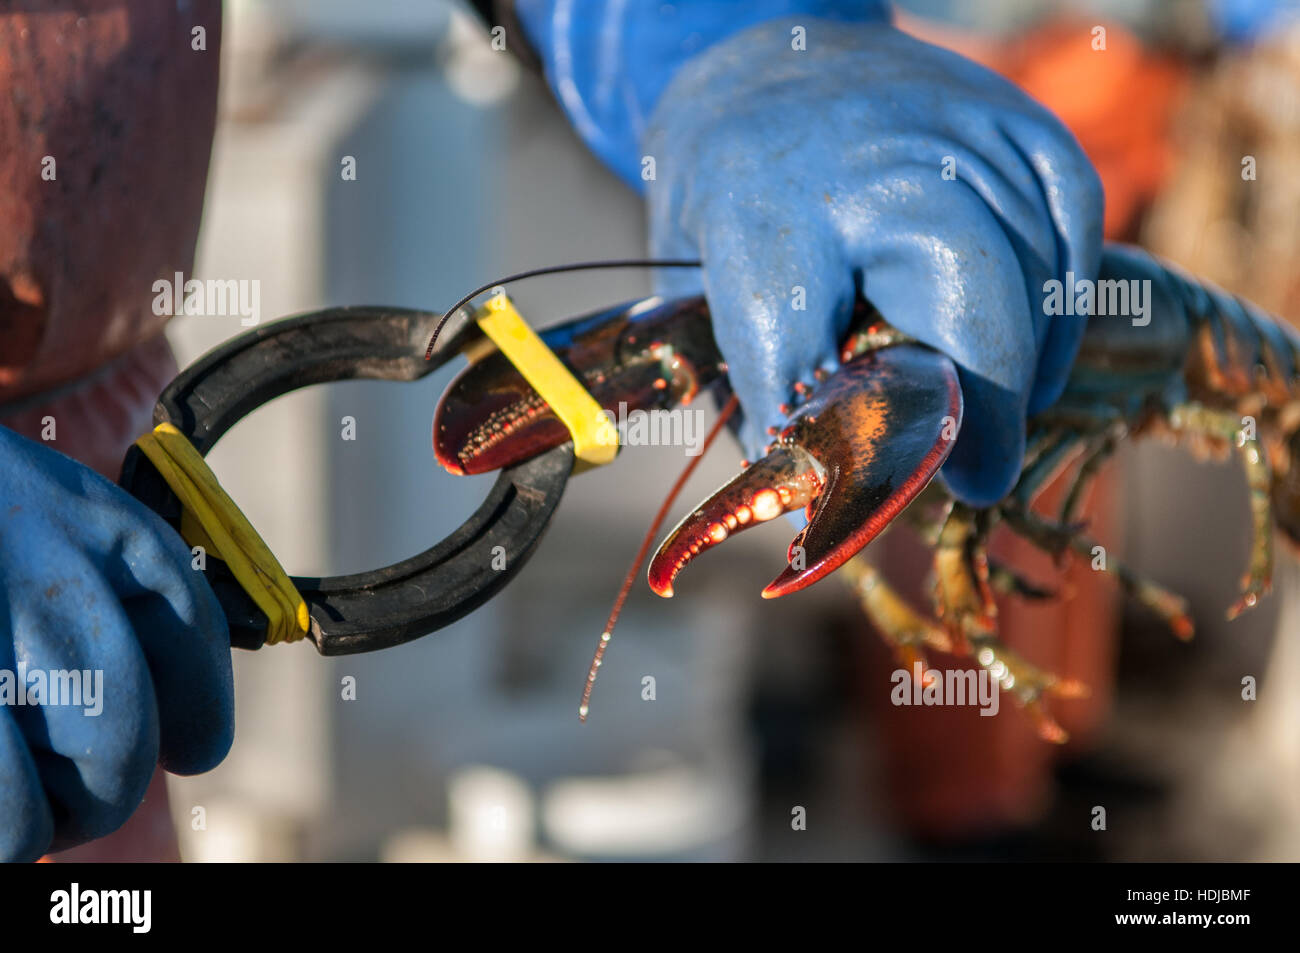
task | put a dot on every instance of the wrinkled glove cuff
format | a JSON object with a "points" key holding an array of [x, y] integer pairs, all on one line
{"points": [[607, 63]]}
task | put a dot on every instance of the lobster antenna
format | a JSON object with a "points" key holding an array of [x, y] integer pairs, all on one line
{"points": [[728, 409], [556, 269]]}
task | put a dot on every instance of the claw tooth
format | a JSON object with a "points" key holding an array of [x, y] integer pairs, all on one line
{"points": [[766, 504]]}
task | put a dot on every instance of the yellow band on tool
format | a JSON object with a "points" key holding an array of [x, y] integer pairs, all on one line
{"points": [[211, 519], [595, 439]]}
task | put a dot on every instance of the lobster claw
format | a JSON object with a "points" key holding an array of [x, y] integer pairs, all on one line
{"points": [[645, 356], [854, 455]]}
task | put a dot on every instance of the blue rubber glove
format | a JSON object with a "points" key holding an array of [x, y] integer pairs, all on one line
{"points": [[608, 62], [1247, 21], [90, 579], [798, 175]]}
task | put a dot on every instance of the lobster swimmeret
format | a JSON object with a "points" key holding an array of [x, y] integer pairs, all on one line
{"points": [[861, 447]]}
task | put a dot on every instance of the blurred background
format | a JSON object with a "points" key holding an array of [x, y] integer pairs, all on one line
{"points": [[466, 744]]}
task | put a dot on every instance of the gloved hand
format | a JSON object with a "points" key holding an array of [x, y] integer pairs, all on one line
{"points": [[868, 159], [91, 580]]}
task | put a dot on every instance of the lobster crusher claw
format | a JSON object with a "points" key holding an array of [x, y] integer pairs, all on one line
{"points": [[384, 607]]}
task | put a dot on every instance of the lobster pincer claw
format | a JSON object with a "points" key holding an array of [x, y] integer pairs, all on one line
{"points": [[643, 356], [854, 455]]}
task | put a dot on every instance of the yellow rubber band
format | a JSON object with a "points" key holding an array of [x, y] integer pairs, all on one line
{"points": [[595, 438], [211, 519]]}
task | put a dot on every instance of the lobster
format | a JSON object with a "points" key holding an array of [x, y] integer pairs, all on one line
{"points": [[862, 447]]}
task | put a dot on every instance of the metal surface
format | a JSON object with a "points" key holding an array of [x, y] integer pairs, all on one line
{"points": [[384, 607]]}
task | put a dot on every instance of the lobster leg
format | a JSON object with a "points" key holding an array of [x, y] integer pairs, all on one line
{"points": [[1008, 582], [1055, 539], [963, 600], [1058, 450], [1050, 451], [910, 634], [1028, 684], [1197, 420], [904, 629], [1099, 451], [1041, 442]]}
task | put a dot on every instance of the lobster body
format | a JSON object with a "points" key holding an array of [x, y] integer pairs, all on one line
{"points": [[1197, 344], [1185, 360], [1204, 365]]}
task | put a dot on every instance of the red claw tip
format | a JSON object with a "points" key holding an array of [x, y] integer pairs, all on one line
{"points": [[789, 581], [661, 582]]}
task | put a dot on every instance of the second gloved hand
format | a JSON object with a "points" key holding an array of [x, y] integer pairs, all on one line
{"points": [[870, 161], [91, 581]]}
